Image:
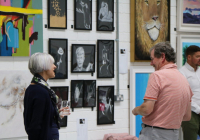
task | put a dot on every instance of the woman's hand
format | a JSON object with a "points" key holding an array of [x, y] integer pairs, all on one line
{"points": [[64, 109]]}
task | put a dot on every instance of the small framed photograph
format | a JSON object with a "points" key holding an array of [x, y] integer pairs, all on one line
{"points": [[57, 14], [62, 93], [76, 93], [89, 93], [83, 14], [105, 15], [105, 58], [105, 111], [58, 48], [83, 58]]}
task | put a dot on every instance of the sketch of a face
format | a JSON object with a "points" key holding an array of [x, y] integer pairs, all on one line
{"points": [[80, 57], [60, 52], [76, 94], [90, 91]]}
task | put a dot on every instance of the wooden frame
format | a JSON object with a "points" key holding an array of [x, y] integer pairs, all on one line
{"points": [[76, 93], [105, 22], [89, 93], [105, 103], [144, 33], [58, 48], [62, 93], [57, 14], [188, 21], [105, 58], [83, 15], [137, 89], [84, 54]]}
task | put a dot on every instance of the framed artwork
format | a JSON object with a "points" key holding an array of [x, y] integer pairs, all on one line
{"points": [[105, 59], [83, 14], [62, 93], [83, 58], [149, 26], [184, 41], [21, 24], [57, 14], [89, 93], [105, 110], [105, 15], [59, 50], [76, 93], [13, 85], [139, 76], [188, 17]]}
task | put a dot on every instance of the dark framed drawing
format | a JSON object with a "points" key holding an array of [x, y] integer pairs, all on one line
{"points": [[62, 93], [76, 93], [83, 14], [149, 26], [83, 58], [58, 48], [57, 14], [105, 110], [89, 93], [105, 58], [105, 15]]}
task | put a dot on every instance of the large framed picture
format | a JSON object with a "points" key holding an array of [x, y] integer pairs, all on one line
{"points": [[76, 93], [149, 26], [105, 110], [139, 76], [105, 58], [105, 15], [184, 41], [89, 93], [58, 48], [83, 14], [62, 93], [188, 18], [83, 58], [57, 14]]}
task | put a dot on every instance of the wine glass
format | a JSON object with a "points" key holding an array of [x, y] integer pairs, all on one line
{"points": [[65, 103]]}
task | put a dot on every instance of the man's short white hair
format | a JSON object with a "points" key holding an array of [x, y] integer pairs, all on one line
{"points": [[40, 62], [80, 51]]}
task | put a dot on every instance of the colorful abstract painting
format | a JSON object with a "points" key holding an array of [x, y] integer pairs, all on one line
{"points": [[185, 45], [21, 27], [191, 11], [12, 88], [141, 81]]}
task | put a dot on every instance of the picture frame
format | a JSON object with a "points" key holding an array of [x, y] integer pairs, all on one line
{"points": [[188, 19], [57, 14], [184, 41], [146, 30], [105, 15], [76, 93], [58, 49], [89, 93], [83, 14], [62, 93], [139, 76], [105, 58], [105, 103], [83, 58]]}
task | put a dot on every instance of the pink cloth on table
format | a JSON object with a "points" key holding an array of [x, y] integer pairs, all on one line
{"points": [[119, 136]]}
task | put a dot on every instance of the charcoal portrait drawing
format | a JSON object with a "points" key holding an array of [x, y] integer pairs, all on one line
{"points": [[76, 93], [89, 93]]}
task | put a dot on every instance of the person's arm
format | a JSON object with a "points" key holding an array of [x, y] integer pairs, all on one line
{"points": [[145, 108], [187, 115]]}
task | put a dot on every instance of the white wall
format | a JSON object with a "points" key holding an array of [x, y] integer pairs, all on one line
{"points": [[95, 132]]}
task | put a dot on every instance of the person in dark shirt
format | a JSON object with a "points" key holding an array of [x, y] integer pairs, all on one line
{"points": [[41, 115]]}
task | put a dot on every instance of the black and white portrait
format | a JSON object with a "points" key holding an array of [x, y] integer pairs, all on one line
{"points": [[105, 113], [58, 49], [105, 59], [83, 58], [83, 14], [89, 93], [76, 93], [105, 15]]}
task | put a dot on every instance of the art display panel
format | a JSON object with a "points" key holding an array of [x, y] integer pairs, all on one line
{"points": [[21, 26], [149, 26], [89, 93], [12, 86], [58, 48]]}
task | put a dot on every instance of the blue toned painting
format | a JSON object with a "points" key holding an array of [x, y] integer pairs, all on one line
{"points": [[141, 81], [185, 45]]}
